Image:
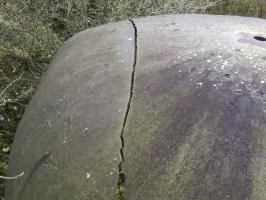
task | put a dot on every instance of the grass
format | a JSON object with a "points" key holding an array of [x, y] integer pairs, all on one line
{"points": [[32, 31]]}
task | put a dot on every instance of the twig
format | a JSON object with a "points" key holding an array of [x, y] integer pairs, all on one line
{"points": [[9, 85], [209, 5], [9, 178], [5, 98]]}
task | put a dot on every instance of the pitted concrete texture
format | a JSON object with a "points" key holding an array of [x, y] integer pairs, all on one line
{"points": [[188, 95]]}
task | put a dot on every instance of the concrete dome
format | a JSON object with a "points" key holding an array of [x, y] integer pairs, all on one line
{"points": [[176, 104]]}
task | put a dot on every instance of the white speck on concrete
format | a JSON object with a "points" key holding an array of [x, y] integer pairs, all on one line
{"points": [[84, 130], [214, 85]]}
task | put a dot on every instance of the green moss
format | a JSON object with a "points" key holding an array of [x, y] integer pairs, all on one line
{"points": [[120, 188], [120, 193]]}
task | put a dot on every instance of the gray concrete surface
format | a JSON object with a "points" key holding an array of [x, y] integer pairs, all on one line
{"points": [[68, 140], [196, 129], [194, 112]]}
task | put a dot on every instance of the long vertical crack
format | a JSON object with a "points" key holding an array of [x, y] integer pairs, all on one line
{"points": [[121, 179]]}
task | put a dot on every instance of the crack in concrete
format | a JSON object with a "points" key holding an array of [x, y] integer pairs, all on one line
{"points": [[121, 179]]}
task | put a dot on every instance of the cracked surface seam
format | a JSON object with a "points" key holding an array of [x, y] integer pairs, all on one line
{"points": [[121, 178]]}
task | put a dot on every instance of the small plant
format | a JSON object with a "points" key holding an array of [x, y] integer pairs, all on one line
{"points": [[120, 183], [120, 193]]}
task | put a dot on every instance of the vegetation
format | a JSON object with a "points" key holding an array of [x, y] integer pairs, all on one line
{"points": [[32, 31], [120, 193]]}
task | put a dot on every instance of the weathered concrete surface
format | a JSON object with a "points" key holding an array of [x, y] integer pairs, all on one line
{"points": [[196, 124], [69, 138], [196, 129]]}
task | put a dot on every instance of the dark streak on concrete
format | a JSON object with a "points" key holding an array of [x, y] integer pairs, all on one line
{"points": [[35, 168]]}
